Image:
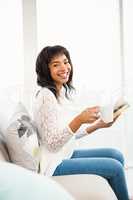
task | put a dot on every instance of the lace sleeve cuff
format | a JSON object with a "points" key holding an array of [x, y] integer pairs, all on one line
{"points": [[81, 134], [70, 130]]}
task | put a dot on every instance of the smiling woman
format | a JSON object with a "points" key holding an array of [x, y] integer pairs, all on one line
{"points": [[58, 132]]}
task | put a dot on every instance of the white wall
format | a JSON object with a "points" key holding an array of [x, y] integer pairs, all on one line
{"points": [[11, 43], [90, 30], [30, 48], [11, 57], [128, 52]]}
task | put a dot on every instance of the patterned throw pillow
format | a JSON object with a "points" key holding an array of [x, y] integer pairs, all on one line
{"points": [[22, 140], [3, 149]]}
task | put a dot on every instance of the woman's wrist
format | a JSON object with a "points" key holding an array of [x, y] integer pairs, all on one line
{"points": [[75, 124], [92, 128]]}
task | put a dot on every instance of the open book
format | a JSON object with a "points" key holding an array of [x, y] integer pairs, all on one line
{"points": [[120, 107], [109, 112]]}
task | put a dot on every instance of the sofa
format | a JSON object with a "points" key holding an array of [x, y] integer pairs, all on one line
{"points": [[17, 183], [79, 187]]}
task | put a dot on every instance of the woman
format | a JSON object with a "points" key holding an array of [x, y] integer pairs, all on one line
{"points": [[57, 132]]}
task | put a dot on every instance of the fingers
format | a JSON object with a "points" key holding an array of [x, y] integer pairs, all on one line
{"points": [[93, 113], [95, 116], [95, 109], [90, 115]]}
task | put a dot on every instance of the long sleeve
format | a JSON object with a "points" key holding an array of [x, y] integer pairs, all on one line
{"points": [[47, 117], [81, 133]]}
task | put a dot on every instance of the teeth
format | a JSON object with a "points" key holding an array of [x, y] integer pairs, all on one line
{"points": [[63, 75]]}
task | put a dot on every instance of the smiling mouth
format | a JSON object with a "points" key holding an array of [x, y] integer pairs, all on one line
{"points": [[64, 76]]}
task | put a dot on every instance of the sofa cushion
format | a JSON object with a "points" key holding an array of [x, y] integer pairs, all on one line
{"points": [[86, 187], [21, 139], [17, 183]]}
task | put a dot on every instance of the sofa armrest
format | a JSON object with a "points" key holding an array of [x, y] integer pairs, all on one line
{"points": [[19, 183]]}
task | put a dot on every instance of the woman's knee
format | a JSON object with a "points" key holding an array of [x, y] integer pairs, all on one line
{"points": [[117, 168], [116, 154]]}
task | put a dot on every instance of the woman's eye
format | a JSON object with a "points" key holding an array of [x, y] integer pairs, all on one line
{"points": [[56, 65], [66, 62]]}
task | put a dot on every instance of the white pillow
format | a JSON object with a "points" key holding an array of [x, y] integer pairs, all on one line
{"points": [[21, 139]]}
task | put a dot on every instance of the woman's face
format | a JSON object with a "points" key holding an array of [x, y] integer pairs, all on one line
{"points": [[60, 70]]}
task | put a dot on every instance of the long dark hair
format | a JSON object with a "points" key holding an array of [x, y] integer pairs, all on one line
{"points": [[44, 78]]}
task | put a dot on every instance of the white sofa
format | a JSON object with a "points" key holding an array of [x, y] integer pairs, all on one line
{"points": [[82, 187], [18, 183], [87, 187]]}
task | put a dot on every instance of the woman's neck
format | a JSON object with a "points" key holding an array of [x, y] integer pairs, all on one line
{"points": [[59, 87]]}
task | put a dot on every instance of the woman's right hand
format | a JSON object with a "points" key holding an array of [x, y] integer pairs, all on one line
{"points": [[89, 115]]}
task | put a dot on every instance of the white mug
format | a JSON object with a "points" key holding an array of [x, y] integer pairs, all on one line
{"points": [[106, 113]]}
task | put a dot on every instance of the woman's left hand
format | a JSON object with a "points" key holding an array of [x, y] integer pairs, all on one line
{"points": [[101, 124]]}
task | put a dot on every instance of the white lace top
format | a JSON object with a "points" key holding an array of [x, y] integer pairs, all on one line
{"points": [[56, 138]]}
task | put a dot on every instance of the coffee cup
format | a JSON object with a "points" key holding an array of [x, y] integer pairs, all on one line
{"points": [[106, 113]]}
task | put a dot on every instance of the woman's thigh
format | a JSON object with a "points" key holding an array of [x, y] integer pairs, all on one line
{"points": [[99, 153], [105, 167]]}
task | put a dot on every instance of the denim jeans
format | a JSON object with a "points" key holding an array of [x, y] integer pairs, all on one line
{"points": [[105, 162]]}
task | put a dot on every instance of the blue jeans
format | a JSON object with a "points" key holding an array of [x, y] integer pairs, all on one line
{"points": [[105, 162]]}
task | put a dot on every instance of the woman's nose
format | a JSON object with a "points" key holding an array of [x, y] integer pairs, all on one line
{"points": [[64, 67]]}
